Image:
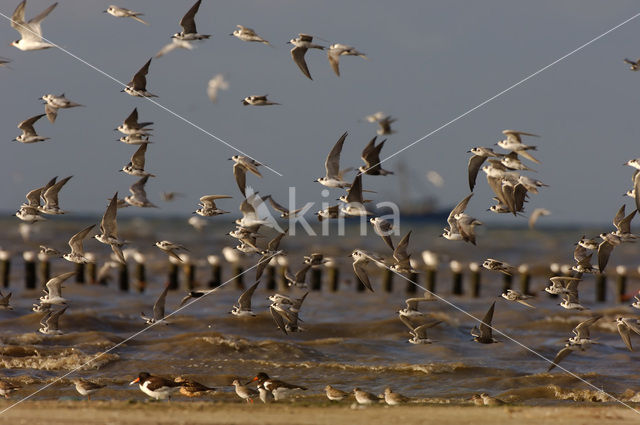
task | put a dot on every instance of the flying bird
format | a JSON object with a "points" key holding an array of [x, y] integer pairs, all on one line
{"points": [[30, 31], [121, 12], [158, 308], [247, 34], [301, 44], [138, 85], [188, 24], [336, 50], [29, 134]]}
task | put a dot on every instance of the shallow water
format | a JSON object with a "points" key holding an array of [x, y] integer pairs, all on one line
{"points": [[350, 339]]}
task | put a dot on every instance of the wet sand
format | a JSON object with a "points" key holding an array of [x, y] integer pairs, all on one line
{"points": [[123, 412]]}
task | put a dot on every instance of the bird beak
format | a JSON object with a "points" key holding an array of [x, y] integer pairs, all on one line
{"points": [[231, 34], [122, 91], [135, 381], [104, 11]]}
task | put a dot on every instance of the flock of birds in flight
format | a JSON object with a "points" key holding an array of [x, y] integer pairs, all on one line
{"points": [[503, 172]]}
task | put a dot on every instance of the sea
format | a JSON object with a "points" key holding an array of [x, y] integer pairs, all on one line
{"points": [[350, 338]]}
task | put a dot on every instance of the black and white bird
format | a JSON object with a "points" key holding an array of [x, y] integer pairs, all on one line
{"points": [[156, 386], [188, 24], [158, 308], [484, 333], [138, 84]]}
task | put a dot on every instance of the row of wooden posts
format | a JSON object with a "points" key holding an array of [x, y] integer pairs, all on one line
{"points": [[37, 267]]}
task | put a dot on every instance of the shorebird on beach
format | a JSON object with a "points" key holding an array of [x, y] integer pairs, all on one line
{"points": [[30, 31], [335, 394], [86, 387], [365, 398], [191, 388], [393, 398], [155, 386], [6, 388], [244, 392]]}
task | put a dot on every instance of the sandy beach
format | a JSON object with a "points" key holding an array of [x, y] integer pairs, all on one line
{"points": [[122, 412]]}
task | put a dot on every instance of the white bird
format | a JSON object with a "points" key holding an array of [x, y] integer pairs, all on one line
{"points": [[54, 289], [188, 24], [333, 177], [418, 333], [336, 50], [240, 168], [216, 84], [50, 196], [138, 84], [53, 103], [170, 248], [121, 12], [258, 101], [158, 308], [29, 134], [131, 126], [208, 207], [109, 229], [301, 44], [360, 259], [138, 197], [50, 322], [77, 249], [512, 295], [135, 167], [243, 307], [248, 34], [174, 44], [31, 31]]}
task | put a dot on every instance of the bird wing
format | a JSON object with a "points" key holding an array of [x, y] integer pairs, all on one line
{"points": [[76, 240], [139, 81], [51, 112], [334, 60], [354, 193], [137, 189], [277, 317], [53, 318], [275, 242], [302, 273], [400, 253], [188, 22], [51, 194], [407, 322], [625, 334], [54, 285], [108, 224], [245, 299], [636, 188], [297, 53], [132, 120], [558, 358], [158, 307], [332, 164], [361, 273], [27, 125], [624, 226], [240, 173], [619, 216], [604, 251], [475, 162], [582, 330], [137, 159], [33, 197], [485, 326]]}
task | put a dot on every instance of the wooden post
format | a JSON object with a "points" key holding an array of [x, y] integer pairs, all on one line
{"points": [[525, 279], [216, 271], [5, 268], [172, 275], [456, 273], [80, 269], [387, 280], [91, 267], [601, 287], [29, 269], [316, 278], [333, 275], [139, 271], [270, 272], [44, 268], [189, 273], [474, 268], [507, 282], [123, 277], [621, 283], [431, 262]]}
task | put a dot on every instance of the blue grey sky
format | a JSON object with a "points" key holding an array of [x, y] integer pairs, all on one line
{"points": [[429, 62]]}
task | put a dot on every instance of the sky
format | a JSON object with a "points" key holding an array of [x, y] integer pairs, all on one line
{"points": [[429, 63]]}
